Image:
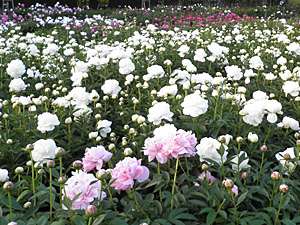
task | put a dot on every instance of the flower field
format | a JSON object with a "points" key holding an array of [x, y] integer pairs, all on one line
{"points": [[190, 116]]}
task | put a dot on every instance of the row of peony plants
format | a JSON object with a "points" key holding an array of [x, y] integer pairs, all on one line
{"points": [[140, 125]]}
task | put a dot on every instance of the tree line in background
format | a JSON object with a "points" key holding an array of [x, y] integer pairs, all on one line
{"points": [[137, 3]]}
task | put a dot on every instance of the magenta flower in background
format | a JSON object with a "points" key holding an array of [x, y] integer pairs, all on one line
{"points": [[81, 183], [210, 178], [94, 158], [128, 170]]}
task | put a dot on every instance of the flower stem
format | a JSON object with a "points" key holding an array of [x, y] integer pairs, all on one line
{"points": [[236, 211], [32, 178], [261, 166], [68, 206], [220, 207], [268, 134], [10, 208], [279, 208], [273, 191], [90, 221], [174, 182], [100, 197], [216, 108], [138, 205], [50, 179], [158, 172], [221, 151]]}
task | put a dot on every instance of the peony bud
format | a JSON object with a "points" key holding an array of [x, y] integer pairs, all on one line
{"points": [[77, 165], [252, 137], [59, 151], [29, 147], [51, 164], [244, 175], [222, 139], [61, 180], [127, 151], [204, 167], [19, 170], [287, 156], [298, 143], [27, 205], [68, 120], [264, 148], [90, 211], [100, 174], [275, 175], [8, 186], [228, 183], [239, 139], [283, 188]]}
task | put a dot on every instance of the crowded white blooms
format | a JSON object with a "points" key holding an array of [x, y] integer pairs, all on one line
{"points": [[126, 66], [294, 47], [17, 85], [111, 87], [194, 105], [104, 127], [168, 91], [256, 63], [3, 175], [47, 122], [288, 122], [43, 150], [158, 112], [16, 68], [155, 71], [210, 148], [200, 55], [291, 87]]}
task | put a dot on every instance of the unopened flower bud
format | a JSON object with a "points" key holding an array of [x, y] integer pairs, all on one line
{"points": [[264, 148], [68, 120], [27, 205], [41, 171], [59, 151], [287, 156], [111, 146], [298, 143], [8, 186], [239, 139], [127, 151], [77, 165], [90, 211], [29, 147], [204, 167], [100, 174], [297, 135], [61, 180], [9, 141], [51, 164], [222, 139], [93, 135], [19, 170], [283, 188], [275, 175], [244, 175], [228, 183]]}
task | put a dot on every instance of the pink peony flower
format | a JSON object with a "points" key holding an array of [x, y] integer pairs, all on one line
{"points": [[126, 171], [81, 183], [182, 144], [210, 178], [94, 158], [153, 149]]}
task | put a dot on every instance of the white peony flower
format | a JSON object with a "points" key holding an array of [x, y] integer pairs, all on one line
{"points": [[16, 68], [159, 111], [291, 87], [111, 87], [17, 85], [253, 113], [294, 47], [200, 55], [252, 137], [234, 72], [168, 90], [47, 122], [104, 127], [194, 105], [126, 66], [3, 175], [242, 164], [43, 150], [165, 132], [79, 96], [208, 149], [273, 107], [256, 63], [155, 71], [288, 122]]}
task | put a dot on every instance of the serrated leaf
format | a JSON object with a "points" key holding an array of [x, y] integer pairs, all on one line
{"points": [[211, 217]]}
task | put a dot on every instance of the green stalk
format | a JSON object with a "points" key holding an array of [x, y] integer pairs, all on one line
{"points": [[223, 173], [216, 108], [273, 191], [68, 206], [279, 208], [261, 165], [220, 207], [139, 206], [90, 220], [60, 174], [50, 174], [10, 207], [174, 182], [236, 211], [32, 178], [100, 198], [158, 172]]}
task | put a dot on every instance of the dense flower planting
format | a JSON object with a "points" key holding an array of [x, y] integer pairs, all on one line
{"points": [[183, 119]]}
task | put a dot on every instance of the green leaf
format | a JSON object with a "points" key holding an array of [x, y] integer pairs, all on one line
{"points": [[223, 214], [14, 204], [185, 216], [99, 219], [206, 210], [30, 212], [287, 221], [211, 217], [118, 222], [40, 193], [296, 219], [23, 194], [176, 212], [79, 220], [60, 222], [257, 222], [242, 198], [43, 220], [162, 222]]}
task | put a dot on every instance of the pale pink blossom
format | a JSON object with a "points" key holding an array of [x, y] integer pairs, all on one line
{"points": [[153, 149], [80, 183], [210, 178], [95, 157], [126, 171]]}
